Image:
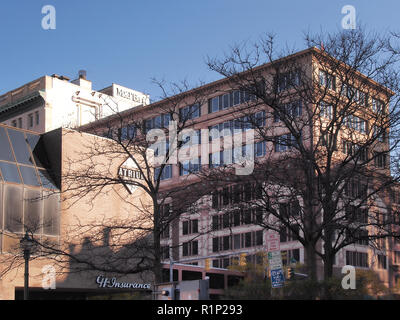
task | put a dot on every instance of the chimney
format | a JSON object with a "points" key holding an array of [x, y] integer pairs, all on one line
{"points": [[82, 74]]}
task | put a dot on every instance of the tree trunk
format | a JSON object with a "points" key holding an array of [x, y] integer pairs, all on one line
{"points": [[311, 261]]}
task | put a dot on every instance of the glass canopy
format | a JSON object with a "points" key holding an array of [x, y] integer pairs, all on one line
{"points": [[22, 159]]}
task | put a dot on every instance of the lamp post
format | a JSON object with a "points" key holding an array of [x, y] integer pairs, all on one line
{"points": [[26, 245]]}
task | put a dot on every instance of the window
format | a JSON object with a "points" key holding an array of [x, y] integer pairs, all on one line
{"points": [[327, 80], [396, 257], [289, 234], [216, 159], [285, 142], [382, 261], [127, 132], [325, 110], [228, 100], [30, 120], [14, 123], [357, 236], [380, 160], [353, 150], [357, 259], [288, 111], [379, 133], [287, 80], [37, 118], [189, 166], [164, 252], [238, 241], [190, 227], [190, 138], [158, 122], [165, 174], [190, 248], [355, 214], [19, 122], [190, 112], [377, 105], [260, 149], [329, 141], [356, 123], [290, 256]]}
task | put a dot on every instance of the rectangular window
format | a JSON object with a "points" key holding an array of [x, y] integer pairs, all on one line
{"points": [[37, 118], [260, 149], [30, 120], [288, 80], [379, 133], [380, 160], [213, 104], [377, 105], [397, 257], [325, 110], [357, 259], [190, 112], [190, 166], [382, 261], [19, 122], [190, 227], [327, 80], [14, 123], [215, 244], [284, 143], [165, 174], [190, 248]]}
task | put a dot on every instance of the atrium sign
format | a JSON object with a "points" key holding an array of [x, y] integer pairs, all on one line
{"points": [[104, 282], [129, 173]]}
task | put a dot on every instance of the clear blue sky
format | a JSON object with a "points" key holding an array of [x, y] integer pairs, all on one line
{"points": [[130, 42]]}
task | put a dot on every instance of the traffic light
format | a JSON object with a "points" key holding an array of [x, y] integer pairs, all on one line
{"points": [[207, 264], [290, 273], [167, 293]]}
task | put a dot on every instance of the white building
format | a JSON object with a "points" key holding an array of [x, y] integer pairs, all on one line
{"points": [[54, 101]]}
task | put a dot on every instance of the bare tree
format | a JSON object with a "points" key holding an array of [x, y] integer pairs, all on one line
{"points": [[329, 124], [130, 152]]}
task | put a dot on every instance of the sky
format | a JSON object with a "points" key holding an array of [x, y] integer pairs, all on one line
{"points": [[132, 42]]}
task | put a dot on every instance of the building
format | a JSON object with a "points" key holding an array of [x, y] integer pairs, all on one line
{"points": [[35, 198], [215, 106], [54, 101]]}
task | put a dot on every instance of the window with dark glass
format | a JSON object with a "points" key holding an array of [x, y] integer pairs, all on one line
{"points": [[29, 176], [10, 172], [6, 153], [20, 147]]}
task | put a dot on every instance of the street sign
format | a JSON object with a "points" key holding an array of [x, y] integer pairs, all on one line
{"points": [[275, 260], [277, 278], [273, 241]]}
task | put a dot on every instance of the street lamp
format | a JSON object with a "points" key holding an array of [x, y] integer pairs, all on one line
{"points": [[26, 244]]}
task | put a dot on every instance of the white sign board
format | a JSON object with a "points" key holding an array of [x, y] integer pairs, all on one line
{"points": [[273, 241]]}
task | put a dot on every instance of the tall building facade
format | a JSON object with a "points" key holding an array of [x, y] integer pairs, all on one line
{"points": [[237, 233]]}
